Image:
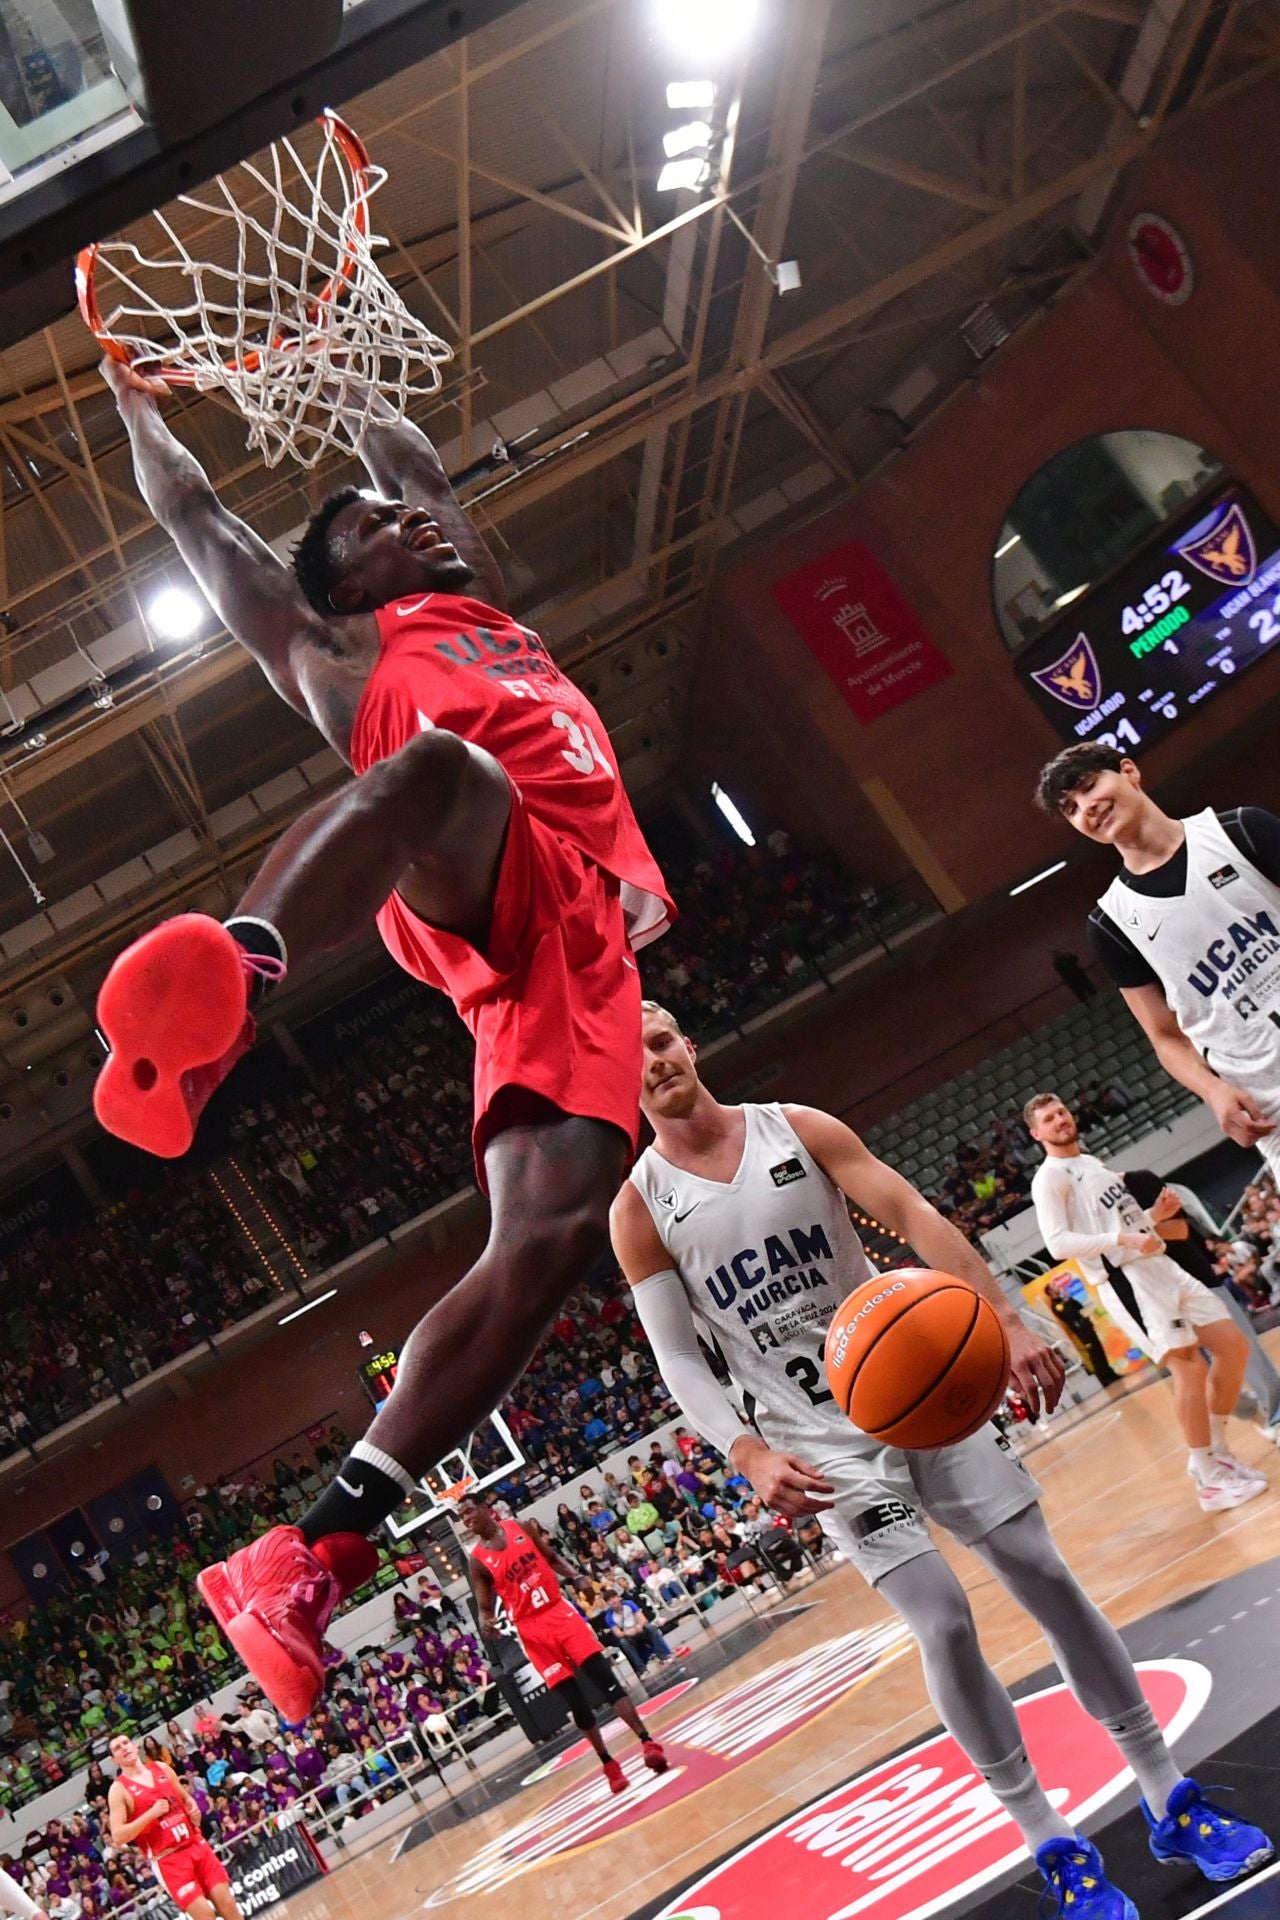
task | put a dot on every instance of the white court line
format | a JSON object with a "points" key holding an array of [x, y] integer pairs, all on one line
{"points": [[1234, 1893]]}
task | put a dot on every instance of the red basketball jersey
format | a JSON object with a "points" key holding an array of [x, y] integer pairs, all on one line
{"points": [[521, 1572], [173, 1829], [452, 662]]}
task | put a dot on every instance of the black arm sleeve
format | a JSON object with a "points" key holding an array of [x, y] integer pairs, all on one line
{"points": [[1257, 834], [1117, 953]]}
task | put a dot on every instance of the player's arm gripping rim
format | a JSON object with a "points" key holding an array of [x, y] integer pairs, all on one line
{"points": [[403, 465], [785, 1482], [1236, 1112], [252, 592], [1037, 1371]]}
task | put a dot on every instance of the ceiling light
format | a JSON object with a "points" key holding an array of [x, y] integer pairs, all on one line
{"points": [[1046, 874], [696, 137], [786, 276], [705, 29], [175, 613], [685, 94], [1013, 541], [732, 814], [687, 175], [309, 1307]]}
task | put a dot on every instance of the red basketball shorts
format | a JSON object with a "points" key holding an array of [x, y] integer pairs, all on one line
{"points": [[191, 1873], [553, 1002], [557, 1641]]}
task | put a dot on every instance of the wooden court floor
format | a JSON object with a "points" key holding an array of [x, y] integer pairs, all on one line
{"points": [[1122, 1510]]}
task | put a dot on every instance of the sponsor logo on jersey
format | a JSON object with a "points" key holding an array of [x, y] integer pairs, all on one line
{"points": [[704, 1747], [1226, 551], [786, 1171], [758, 1278], [884, 1518], [1223, 876], [666, 1199], [920, 1834], [1073, 678], [764, 1337], [1249, 944]]}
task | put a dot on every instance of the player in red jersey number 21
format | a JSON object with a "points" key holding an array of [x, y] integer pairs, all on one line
{"points": [[488, 835], [517, 1564]]}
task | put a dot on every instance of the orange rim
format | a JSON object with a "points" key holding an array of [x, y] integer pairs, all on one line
{"points": [[356, 155]]}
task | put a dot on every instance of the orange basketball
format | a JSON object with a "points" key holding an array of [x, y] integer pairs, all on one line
{"points": [[917, 1359]]}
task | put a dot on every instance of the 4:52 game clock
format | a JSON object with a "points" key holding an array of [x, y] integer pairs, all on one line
{"points": [[1174, 624]]}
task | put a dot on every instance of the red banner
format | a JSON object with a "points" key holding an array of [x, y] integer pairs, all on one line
{"points": [[861, 631]]}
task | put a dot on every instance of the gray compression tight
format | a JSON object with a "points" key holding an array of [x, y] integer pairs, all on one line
{"points": [[971, 1701]]}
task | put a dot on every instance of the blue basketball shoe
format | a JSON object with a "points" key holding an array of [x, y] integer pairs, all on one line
{"points": [[1076, 1881], [1195, 1829]]}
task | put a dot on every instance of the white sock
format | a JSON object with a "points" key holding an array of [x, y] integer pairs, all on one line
{"points": [[385, 1464], [1138, 1736], [1204, 1462], [1014, 1784], [1218, 1432]]}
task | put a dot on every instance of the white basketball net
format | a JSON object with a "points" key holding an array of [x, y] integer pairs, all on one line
{"points": [[292, 318]]}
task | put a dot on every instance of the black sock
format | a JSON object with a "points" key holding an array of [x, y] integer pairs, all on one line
{"points": [[259, 938], [356, 1501]]}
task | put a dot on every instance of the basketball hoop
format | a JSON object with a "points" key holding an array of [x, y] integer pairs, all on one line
{"points": [[456, 1491], [287, 313]]}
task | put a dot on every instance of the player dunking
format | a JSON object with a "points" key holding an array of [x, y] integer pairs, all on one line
{"points": [[149, 1808], [489, 836], [737, 1215], [517, 1564]]}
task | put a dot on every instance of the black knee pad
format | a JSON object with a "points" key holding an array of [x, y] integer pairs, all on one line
{"points": [[579, 1706], [599, 1670]]}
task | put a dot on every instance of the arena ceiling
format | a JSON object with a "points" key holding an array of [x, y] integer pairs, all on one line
{"points": [[937, 173]]}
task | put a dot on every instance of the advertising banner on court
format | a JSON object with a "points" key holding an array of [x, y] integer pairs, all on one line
{"points": [[1068, 1284], [869, 641], [276, 1865]]}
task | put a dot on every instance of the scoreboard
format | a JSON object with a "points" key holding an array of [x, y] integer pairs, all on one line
{"points": [[1173, 625], [378, 1374]]}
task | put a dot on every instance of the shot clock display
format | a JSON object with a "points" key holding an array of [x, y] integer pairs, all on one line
{"points": [[378, 1374], [1177, 622]]}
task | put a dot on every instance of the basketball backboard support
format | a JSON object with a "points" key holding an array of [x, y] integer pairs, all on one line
{"points": [[491, 1453], [79, 160]]}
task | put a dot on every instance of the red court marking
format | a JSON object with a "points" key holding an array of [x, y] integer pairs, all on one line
{"points": [[913, 1835], [704, 1746]]}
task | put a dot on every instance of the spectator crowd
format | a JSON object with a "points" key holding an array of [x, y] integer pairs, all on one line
{"points": [[342, 1157], [669, 1537], [132, 1640], [1249, 1259], [989, 1179]]}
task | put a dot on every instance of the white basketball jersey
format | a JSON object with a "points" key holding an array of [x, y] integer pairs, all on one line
{"points": [[1216, 951], [765, 1258]]}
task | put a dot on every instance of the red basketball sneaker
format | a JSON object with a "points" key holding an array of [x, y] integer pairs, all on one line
{"points": [[654, 1756], [615, 1776], [175, 1009], [273, 1600]]}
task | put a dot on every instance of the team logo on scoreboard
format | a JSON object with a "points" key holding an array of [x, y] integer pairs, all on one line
{"points": [[1073, 678], [1226, 552]]}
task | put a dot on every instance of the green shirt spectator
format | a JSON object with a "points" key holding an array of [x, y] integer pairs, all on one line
{"points": [[643, 1517]]}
